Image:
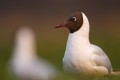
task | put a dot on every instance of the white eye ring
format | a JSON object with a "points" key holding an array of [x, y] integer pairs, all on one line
{"points": [[74, 18]]}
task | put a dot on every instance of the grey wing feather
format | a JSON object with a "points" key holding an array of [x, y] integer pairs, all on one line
{"points": [[99, 58]]}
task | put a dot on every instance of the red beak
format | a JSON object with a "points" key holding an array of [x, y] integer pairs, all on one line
{"points": [[61, 25]]}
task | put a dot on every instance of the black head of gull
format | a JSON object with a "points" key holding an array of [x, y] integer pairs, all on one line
{"points": [[73, 22]]}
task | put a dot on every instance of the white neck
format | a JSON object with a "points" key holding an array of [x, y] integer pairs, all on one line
{"points": [[82, 35], [25, 46]]}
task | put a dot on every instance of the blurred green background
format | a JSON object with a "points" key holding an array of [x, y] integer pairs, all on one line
{"points": [[43, 15]]}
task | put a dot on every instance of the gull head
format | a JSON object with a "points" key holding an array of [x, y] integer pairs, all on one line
{"points": [[73, 22]]}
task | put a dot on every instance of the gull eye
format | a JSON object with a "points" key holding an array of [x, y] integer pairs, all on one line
{"points": [[73, 19]]}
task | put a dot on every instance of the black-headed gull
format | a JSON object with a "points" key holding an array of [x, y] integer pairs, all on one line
{"points": [[80, 55]]}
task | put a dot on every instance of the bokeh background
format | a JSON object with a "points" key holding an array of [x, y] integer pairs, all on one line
{"points": [[43, 15]]}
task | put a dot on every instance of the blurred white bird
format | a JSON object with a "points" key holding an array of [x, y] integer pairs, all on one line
{"points": [[25, 63], [81, 56]]}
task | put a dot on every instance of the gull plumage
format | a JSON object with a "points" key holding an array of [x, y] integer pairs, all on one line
{"points": [[81, 56]]}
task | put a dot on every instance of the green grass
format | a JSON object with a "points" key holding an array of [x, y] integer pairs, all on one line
{"points": [[54, 52]]}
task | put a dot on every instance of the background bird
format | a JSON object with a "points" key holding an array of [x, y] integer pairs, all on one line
{"points": [[24, 62]]}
